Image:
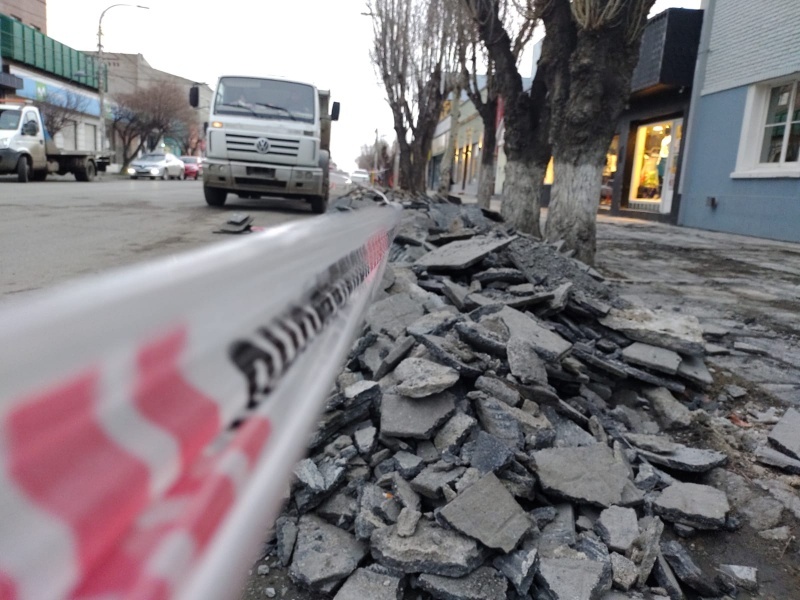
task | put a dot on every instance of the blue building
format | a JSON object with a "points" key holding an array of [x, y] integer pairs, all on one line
{"points": [[742, 160]]}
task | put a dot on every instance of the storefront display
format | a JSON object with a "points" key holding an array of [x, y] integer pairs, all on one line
{"points": [[655, 164]]}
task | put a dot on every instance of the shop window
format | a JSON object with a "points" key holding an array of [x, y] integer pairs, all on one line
{"points": [[769, 145], [655, 165]]}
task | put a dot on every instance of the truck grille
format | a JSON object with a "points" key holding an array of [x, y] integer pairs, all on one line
{"points": [[278, 146]]}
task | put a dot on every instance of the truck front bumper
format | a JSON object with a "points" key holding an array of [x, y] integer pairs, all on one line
{"points": [[263, 178]]}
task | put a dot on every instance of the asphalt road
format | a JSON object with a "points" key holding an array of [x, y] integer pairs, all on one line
{"points": [[56, 230]]}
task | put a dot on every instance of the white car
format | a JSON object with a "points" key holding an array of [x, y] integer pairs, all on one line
{"points": [[339, 183], [157, 166], [360, 176]]}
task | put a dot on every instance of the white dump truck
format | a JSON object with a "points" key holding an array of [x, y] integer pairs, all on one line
{"points": [[27, 151], [267, 137]]}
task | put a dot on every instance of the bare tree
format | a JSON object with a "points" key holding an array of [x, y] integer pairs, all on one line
{"points": [[411, 51], [61, 108], [526, 112], [146, 115], [589, 91]]}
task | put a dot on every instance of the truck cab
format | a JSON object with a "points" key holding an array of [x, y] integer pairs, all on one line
{"points": [[267, 137], [28, 151]]}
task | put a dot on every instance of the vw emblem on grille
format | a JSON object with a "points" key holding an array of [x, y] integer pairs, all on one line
{"points": [[262, 145]]}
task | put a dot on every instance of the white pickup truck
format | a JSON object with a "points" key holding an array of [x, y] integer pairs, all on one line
{"points": [[268, 137], [27, 150]]}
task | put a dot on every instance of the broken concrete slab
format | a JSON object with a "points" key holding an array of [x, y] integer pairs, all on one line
{"points": [[407, 522], [671, 413], [785, 436], [398, 352], [431, 549], [590, 475], [519, 567], [419, 378], [691, 460], [409, 418], [498, 422], [666, 579], [733, 577], [556, 533], [447, 352], [501, 528], [694, 369], [647, 546], [364, 583], [324, 553], [483, 583], [652, 357], [454, 292], [778, 534], [393, 314], [481, 338], [685, 569], [774, 458], [659, 444], [549, 345], [285, 539], [408, 465], [457, 256], [618, 527], [524, 361], [433, 479], [453, 433], [695, 505], [680, 333], [487, 453], [432, 324], [624, 572], [783, 493], [762, 512], [572, 579], [497, 388]]}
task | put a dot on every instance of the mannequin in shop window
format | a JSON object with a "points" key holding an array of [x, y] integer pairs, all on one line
{"points": [[663, 155]]}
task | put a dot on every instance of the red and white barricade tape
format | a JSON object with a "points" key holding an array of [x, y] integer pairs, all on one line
{"points": [[122, 477]]}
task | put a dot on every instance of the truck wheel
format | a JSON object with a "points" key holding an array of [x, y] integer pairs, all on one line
{"points": [[23, 170], [214, 196], [86, 172], [319, 204]]}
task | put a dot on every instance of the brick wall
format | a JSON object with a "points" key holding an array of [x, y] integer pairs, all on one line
{"points": [[751, 41]]}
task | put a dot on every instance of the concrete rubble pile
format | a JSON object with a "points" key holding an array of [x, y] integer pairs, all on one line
{"points": [[506, 427]]}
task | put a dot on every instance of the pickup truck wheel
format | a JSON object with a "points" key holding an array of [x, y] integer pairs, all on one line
{"points": [[319, 204], [86, 172], [23, 170], [214, 196]]}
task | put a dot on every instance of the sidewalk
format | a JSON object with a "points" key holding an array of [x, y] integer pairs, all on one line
{"points": [[745, 292]]}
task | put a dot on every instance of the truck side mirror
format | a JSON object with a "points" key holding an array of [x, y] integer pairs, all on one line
{"points": [[194, 96], [335, 111], [30, 128]]}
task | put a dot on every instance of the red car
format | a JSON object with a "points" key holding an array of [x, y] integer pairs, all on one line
{"points": [[193, 167]]}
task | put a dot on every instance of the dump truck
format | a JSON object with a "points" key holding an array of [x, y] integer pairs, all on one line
{"points": [[267, 137], [29, 151]]}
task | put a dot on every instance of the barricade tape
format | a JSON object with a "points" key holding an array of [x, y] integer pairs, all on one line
{"points": [[123, 475]]}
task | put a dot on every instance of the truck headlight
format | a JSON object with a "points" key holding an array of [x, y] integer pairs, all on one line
{"points": [[5, 142]]}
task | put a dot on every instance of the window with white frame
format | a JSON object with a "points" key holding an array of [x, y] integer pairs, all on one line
{"points": [[770, 140]]}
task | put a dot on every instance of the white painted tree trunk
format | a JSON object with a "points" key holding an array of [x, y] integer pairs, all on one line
{"points": [[486, 184], [522, 196], [573, 208], [448, 161]]}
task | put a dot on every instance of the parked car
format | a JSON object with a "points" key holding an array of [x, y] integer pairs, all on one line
{"points": [[193, 167], [360, 176], [157, 166], [339, 183]]}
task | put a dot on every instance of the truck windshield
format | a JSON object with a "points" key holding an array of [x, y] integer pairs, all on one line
{"points": [[9, 119], [265, 99]]}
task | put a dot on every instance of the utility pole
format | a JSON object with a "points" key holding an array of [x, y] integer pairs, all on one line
{"points": [[375, 171], [101, 84]]}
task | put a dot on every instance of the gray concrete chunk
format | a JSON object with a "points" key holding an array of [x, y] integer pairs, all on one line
{"points": [[482, 584], [365, 440], [618, 528], [691, 460], [671, 413], [685, 569], [694, 369], [572, 579], [285, 539], [519, 567], [737, 576], [409, 465], [409, 418], [324, 553], [589, 475], [432, 323], [624, 572], [501, 526], [407, 522], [431, 482], [457, 256], [497, 388], [774, 458], [454, 432], [487, 453], [393, 314], [365, 584], [785, 436], [652, 357], [548, 345], [524, 361], [419, 378], [680, 333], [699, 506], [666, 578], [430, 550]]}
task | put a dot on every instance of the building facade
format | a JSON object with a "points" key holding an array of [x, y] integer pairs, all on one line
{"points": [[29, 12], [743, 150]]}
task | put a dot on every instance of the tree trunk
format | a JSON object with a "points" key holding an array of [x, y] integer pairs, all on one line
{"points": [[486, 176], [573, 208], [449, 158], [522, 195]]}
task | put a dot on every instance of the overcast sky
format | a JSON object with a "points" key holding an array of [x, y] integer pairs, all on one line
{"points": [[324, 42]]}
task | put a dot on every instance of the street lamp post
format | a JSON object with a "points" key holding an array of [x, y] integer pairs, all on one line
{"points": [[100, 82]]}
